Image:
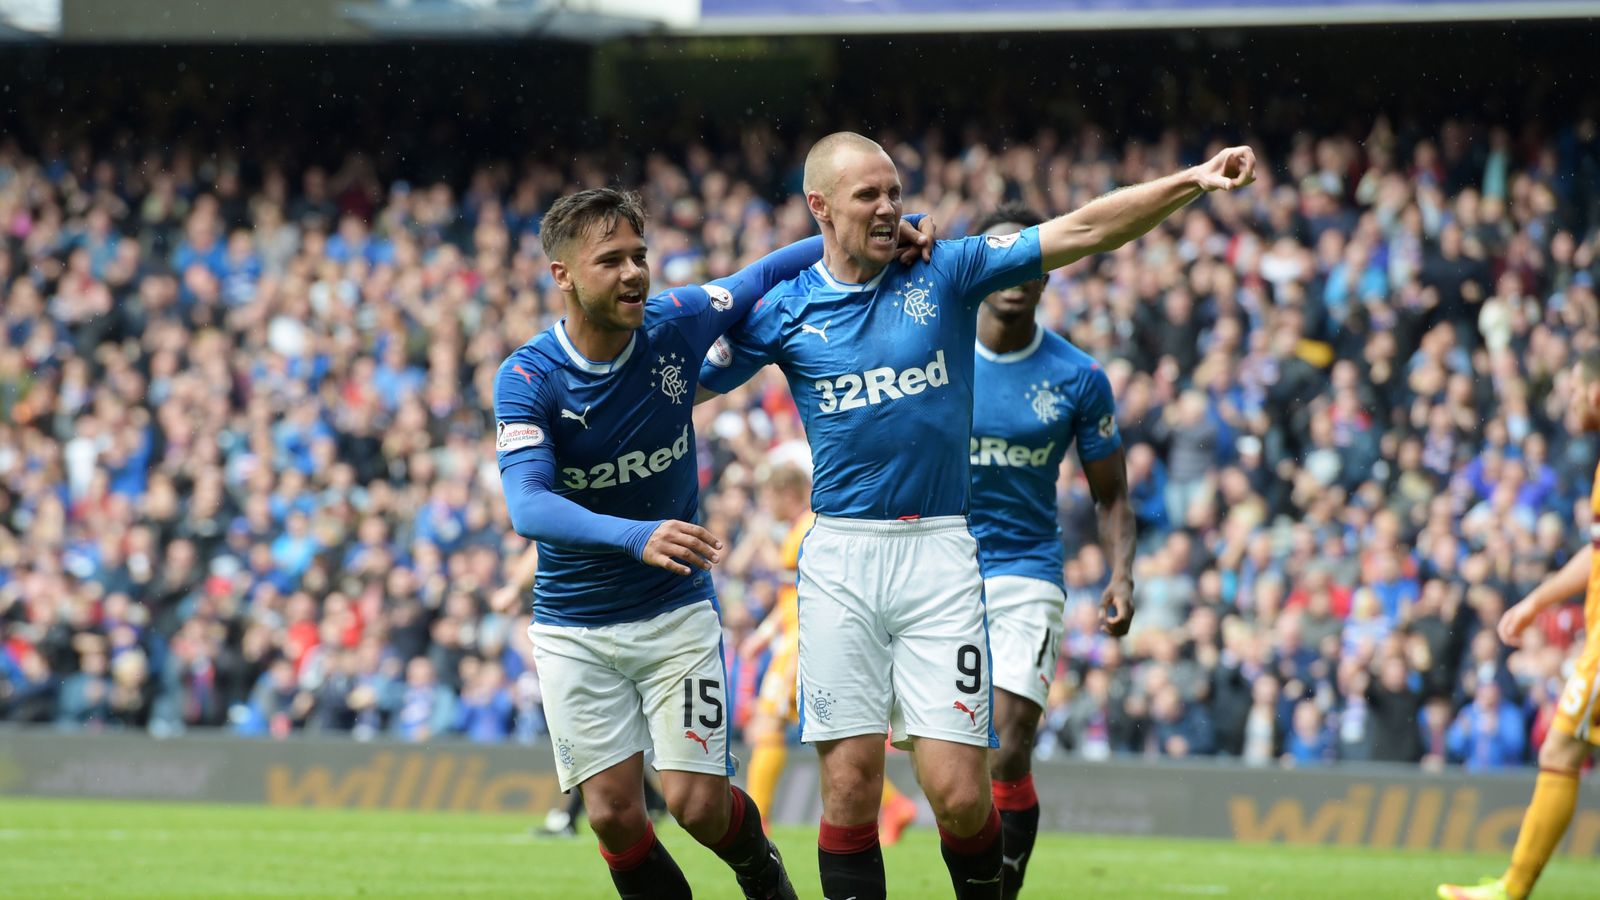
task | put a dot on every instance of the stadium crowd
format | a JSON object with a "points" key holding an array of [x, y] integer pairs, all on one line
{"points": [[246, 456]]}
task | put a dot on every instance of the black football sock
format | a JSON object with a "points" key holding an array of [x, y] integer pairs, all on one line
{"points": [[646, 871], [747, 851], [1019, 826], [851, 862], [975, 861]]}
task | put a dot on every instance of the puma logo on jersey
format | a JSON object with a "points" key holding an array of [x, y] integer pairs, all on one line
{"points": [[581, 420], [853, 391], [1014, 863], [630, 466], [819, 332], [971, 713], [993, 451]]}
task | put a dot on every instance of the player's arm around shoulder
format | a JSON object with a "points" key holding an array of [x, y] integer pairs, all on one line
{"points": [[748, 345]]}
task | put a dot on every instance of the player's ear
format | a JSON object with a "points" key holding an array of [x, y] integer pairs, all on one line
{"points": [[561, 274], [818, 205]]}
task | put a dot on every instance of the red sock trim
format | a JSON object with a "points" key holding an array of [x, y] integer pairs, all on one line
{"points": [[1563, 773], [847, 838], [1014, 796], [634, 856], [976, 843], [735, 819]]}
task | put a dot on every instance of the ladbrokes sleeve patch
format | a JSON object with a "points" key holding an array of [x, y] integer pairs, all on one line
{"points": [[517, 435], [720, 354]]}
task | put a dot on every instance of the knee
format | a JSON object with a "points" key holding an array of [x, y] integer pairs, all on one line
{"points": [[851, 793], [617, 822], [704, 814], [960, 805], [1560, 751]]}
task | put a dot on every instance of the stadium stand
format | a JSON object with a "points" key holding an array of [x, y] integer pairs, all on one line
{"points": [[246, 476]]}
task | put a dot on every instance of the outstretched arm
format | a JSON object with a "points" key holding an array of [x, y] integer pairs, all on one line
{"points": [[1122, 215]]}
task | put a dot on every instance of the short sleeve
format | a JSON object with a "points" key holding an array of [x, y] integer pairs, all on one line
{"points": [[521, 423], [1096, 422], [982, 264]]}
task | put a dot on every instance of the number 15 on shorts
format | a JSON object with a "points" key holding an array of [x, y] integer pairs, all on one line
{"points": [[710, 712]]}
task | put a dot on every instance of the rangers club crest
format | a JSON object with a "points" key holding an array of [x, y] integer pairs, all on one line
{"points": [[1045, 402], [916, 300], [564, 753], [669, 377], [821, 703]]}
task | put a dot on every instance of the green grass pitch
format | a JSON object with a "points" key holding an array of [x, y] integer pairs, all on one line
{"points": [[51, 848]]}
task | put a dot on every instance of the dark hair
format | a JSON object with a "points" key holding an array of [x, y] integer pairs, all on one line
{"points": [[1020, 213], [572, 216]]}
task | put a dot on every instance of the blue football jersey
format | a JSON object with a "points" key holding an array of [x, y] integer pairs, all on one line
{"points": [[881, 372], [620, 437], [1032, 405]]}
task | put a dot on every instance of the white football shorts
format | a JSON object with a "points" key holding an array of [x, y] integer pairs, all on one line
{"points": [[892, 632], [1025, 633], [655, 686]]}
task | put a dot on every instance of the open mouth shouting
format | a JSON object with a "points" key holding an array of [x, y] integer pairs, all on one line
{"points": [[881, 236]]}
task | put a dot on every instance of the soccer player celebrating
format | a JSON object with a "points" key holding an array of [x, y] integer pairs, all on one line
{"points": [[787, 492], [788, 496], [878, 355], [1037, 396], [1573, 734], [597, 460]]}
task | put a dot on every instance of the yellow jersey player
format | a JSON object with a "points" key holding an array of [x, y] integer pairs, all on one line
{"points": [[788, 497], [1573, 734]]}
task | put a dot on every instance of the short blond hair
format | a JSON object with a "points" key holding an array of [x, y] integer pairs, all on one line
{"points": [[821, 171]]}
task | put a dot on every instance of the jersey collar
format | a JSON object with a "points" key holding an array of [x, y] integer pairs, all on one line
{"points": [[586, 364], [1014, 355], [846, 286]]}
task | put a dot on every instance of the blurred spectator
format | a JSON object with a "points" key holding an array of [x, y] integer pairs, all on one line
{"points": [[427, 708], [1262, 734], [1179, 729], [1396, 707], [1489, 732], [1309, 742]]}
